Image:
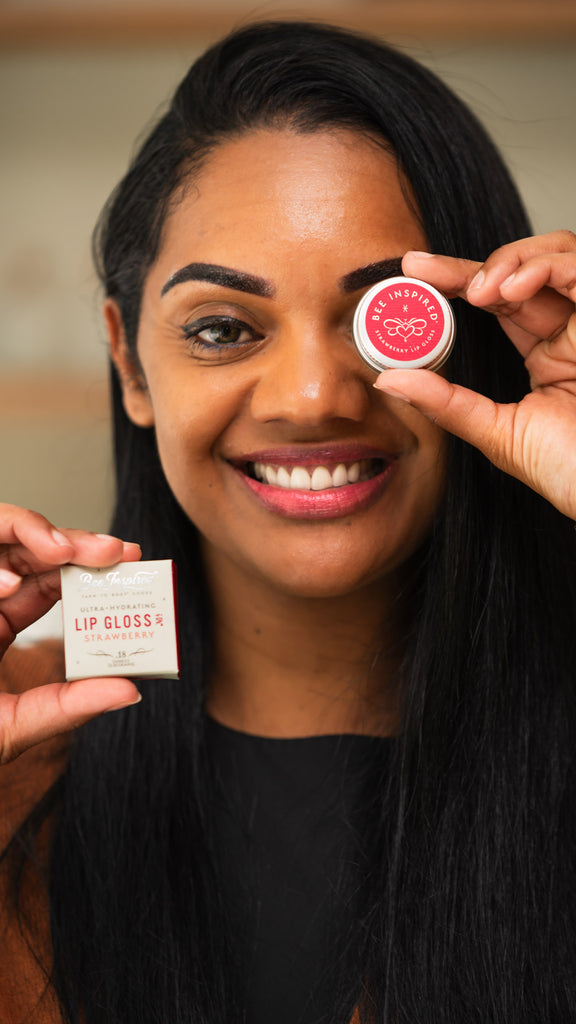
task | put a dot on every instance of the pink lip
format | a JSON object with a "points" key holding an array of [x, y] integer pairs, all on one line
{"points": [[329, 456], [332, 503]]}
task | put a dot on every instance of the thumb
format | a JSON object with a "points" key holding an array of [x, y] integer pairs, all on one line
{"points": [[462, 412], [45, 711]]}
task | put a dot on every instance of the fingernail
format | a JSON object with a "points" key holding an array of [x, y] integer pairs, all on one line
{"points": [[420, 255], [8, 578], [477, 281], [105, 536], [508, 280], [126, 704], [60, 539], [392, 391]]}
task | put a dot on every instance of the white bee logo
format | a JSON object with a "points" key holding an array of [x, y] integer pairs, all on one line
{"points": [[405, 328]]}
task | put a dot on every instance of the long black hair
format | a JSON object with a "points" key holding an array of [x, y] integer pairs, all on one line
{"points": [[468, 913]]}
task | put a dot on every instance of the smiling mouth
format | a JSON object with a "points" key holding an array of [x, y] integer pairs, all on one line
{"points": [[315, 478]]}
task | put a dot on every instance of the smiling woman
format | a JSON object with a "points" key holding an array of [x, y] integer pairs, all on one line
{"points": [[357, 804], [255, 367]]}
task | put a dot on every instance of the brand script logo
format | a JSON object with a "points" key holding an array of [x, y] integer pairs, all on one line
{"points": [[114, 578]]}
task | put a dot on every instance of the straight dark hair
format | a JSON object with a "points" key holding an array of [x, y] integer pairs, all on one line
{"points": [[468, 913]]}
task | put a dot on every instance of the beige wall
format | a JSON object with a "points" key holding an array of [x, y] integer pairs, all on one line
{"points": [[68, 122]]}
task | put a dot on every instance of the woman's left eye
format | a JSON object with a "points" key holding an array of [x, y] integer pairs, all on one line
{"points": [[219, 333]]}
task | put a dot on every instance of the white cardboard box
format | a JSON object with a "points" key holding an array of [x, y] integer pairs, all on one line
{"points": [[120, 620]]}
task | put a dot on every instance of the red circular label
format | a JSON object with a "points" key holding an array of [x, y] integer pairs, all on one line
{"points": [[404, 321]]}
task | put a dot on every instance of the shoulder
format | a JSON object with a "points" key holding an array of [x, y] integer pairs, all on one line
{"points": [[24, 911], [29, 665], [24, 781]]}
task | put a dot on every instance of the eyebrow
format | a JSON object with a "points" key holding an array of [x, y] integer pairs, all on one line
{"points": [[242, 282], [224, 276], [370, 274]]}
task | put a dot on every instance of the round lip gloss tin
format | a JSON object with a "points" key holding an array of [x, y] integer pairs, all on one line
{"points": [[404, 323]]}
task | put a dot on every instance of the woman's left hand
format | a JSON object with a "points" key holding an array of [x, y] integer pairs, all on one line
{"points": [[530, 286]]}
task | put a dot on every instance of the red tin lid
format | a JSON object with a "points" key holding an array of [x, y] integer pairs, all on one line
{"points": [[403, 322]]}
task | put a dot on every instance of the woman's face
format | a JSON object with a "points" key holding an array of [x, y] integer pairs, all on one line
{"points": [[293, 467]]}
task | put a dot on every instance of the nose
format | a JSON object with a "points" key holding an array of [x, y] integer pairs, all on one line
{"points": [[310, 376]]}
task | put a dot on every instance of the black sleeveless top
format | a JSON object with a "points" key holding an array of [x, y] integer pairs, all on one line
{"points": [[289, 856]]}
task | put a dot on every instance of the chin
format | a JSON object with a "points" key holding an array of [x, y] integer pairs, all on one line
{"points": [[324, 580]]}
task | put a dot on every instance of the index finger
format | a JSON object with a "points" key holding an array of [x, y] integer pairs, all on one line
{"points": [[526, 318], [451, 275], [508, 259], [30, 544], [21, 527], [454, 276]]}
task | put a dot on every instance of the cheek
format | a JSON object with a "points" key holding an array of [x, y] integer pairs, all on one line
{"points": [[185, 440], [190, 419]]}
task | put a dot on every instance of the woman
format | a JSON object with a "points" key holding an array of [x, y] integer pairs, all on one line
{"points": [[358, 800]]}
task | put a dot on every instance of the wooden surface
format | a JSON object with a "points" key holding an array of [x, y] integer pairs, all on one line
{"points": [[56, 447], [27, 24], [31, 397]]}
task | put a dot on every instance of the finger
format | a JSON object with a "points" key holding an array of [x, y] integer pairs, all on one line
{"points": [[556, 270], [506, 260], [25, 598], [29, 552], [9, 582], [34, 596], [22, 529], [99, 549], [533, 302], [462, 412], [544, 315], [526, 314], [450, 275], [47, 711], [554, 362], [454, 276]]}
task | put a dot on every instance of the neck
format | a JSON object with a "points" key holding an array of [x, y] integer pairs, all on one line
{"points": [[288, 666]]}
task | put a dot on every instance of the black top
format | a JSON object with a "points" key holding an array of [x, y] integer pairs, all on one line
{"points": [[289, 851]]}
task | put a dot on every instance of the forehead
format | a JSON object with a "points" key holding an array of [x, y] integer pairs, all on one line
{"points": [[277, 189]]}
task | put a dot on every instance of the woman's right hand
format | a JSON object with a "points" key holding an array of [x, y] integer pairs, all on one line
{"points": [[31, 553]]}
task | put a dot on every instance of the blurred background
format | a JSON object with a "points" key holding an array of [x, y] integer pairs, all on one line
{"points": [[81, 80]]}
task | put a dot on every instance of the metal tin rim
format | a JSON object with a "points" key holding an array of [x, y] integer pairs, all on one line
{"points": [[377, 360]]}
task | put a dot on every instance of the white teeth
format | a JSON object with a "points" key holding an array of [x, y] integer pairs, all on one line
{"points": [[321, 479], [300, 479]]}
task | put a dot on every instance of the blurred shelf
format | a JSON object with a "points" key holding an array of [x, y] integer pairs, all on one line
{"points": [[32, 396], [103, 25]]}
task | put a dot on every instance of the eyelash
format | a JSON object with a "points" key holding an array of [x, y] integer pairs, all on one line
{"points": [[193, 330]]}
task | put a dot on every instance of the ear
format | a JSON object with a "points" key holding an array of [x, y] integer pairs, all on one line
{"points": [[135, 394]]}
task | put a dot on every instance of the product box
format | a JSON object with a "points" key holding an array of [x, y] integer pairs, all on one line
{"points": [[120, 620]]}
